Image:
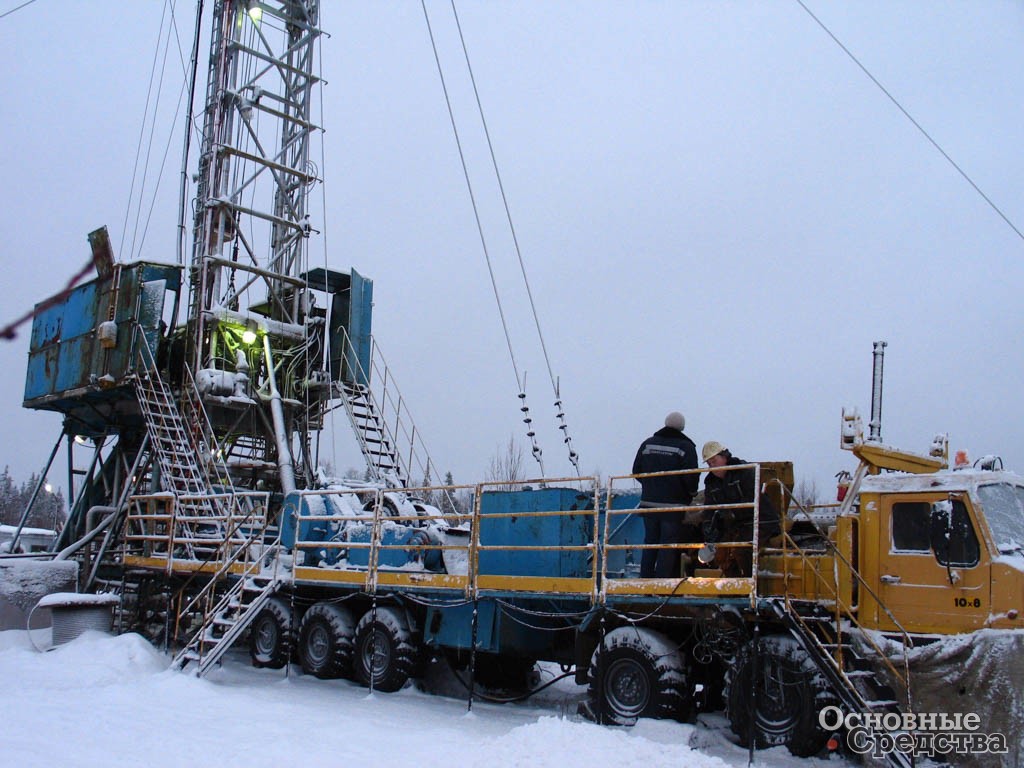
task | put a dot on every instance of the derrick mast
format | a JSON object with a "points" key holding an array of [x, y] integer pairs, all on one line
{"points": [[254, 336]]}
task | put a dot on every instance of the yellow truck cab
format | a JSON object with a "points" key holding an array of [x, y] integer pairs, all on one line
{"points": [[943, 551]]}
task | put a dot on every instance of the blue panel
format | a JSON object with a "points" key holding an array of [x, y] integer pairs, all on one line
{"points": [[80, 311], [452, 627], [625, 529], [47, 327], [39, 376], [359, 325], [554, 530], [65, 355], [74, 363]]}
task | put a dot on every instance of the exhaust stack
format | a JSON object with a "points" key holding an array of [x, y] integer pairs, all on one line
{"points": [[875, 425]]}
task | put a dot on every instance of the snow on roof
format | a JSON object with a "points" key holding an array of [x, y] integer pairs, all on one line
{"points": [[946, 480], [8, 530], [73, 599]]}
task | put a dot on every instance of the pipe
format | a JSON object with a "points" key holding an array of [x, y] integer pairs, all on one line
{"points": [[35, 493], [875, 425], [284, 454], [69, 550]]}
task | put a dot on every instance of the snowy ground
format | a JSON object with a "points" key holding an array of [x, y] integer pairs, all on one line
{"points": [[112, 701]]}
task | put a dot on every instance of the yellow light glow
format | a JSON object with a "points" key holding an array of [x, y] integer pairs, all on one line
{"points": [[256, 14], [248, 337]]}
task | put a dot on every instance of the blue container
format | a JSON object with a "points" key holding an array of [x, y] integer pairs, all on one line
{"points": [[572, 529], [69, 370]]}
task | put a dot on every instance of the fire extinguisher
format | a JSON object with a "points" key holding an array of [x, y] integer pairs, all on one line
{"points": [[842, 484]]}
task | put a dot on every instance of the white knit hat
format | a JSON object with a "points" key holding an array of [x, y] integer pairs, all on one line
{"points": [[675, 420]]}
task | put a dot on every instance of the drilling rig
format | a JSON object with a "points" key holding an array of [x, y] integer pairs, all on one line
{"points": [[193, 394]]}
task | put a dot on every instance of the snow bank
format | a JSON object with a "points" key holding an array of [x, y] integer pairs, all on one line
{"points": [[554, 743], [112, 701]]}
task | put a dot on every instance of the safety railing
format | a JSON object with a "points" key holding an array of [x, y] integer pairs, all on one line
{"points": [[195, 418], [162, 529], [704, 581], [378, 538], [545, 547], [381, 419], [321, 519]]}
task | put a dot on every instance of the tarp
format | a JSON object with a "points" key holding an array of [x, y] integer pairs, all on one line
{"points": [[982, 673]]}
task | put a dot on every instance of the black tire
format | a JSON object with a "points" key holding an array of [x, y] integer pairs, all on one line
{"points": [[790, 693], [272, 635], [384, 649], [638, 672], [325, 641]]}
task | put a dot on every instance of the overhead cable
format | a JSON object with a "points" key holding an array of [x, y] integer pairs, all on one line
{"points": [[914, 122], [560, 411], [535, 447]]}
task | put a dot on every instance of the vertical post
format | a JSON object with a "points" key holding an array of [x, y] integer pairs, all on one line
{"points": [[875, 425], [755, 668], [474, 563], [71, 473], [756, 542]]}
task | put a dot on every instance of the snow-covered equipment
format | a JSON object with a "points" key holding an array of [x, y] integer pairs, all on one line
{"points": [[203, 387]]}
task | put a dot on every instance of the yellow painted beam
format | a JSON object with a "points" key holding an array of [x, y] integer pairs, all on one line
{"points": [[408, 579], [330, 575], [178, 565], [884, 457], [559, 585], [692, 587]]}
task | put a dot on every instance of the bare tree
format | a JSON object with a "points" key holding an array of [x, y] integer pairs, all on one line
{"points": [[806, 493], [506, 466]]}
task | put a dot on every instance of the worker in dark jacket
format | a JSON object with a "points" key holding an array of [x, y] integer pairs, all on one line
{"points": [[666, 450], [723, 486]]}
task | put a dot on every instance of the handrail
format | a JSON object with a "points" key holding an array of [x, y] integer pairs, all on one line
{"points": [[477, 542], [753, 505], [398, 435], [194, 400], [847, 611], [226, 557]]}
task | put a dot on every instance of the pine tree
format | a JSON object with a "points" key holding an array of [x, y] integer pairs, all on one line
{"points": [[7, 499]]}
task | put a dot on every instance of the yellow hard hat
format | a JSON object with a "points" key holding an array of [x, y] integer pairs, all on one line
{"points": [[712, 448]]}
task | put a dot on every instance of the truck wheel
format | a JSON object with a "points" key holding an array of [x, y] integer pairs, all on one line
{"points": [[325, 641], [638, 672], [384, 650], [790, 693], [272, 635]]}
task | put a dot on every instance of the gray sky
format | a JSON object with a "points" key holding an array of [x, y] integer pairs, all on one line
{"points": [[717, 210]]}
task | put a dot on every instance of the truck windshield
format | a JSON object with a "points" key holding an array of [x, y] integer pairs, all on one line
{"points": [[1004, 508]]}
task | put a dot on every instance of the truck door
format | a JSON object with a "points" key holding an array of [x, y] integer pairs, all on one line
{"points": [[933, 570]]}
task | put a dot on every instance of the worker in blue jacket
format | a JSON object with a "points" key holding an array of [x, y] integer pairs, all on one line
{"points": [[666, 450]]}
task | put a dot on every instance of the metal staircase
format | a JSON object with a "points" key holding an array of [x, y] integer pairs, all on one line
{"points": [[843, 650], [854, 677], [380, 419], [175, 447], [375, 439], [225, 620]]}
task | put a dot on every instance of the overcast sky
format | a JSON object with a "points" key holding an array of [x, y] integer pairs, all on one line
{"points": [[718, 213]]}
